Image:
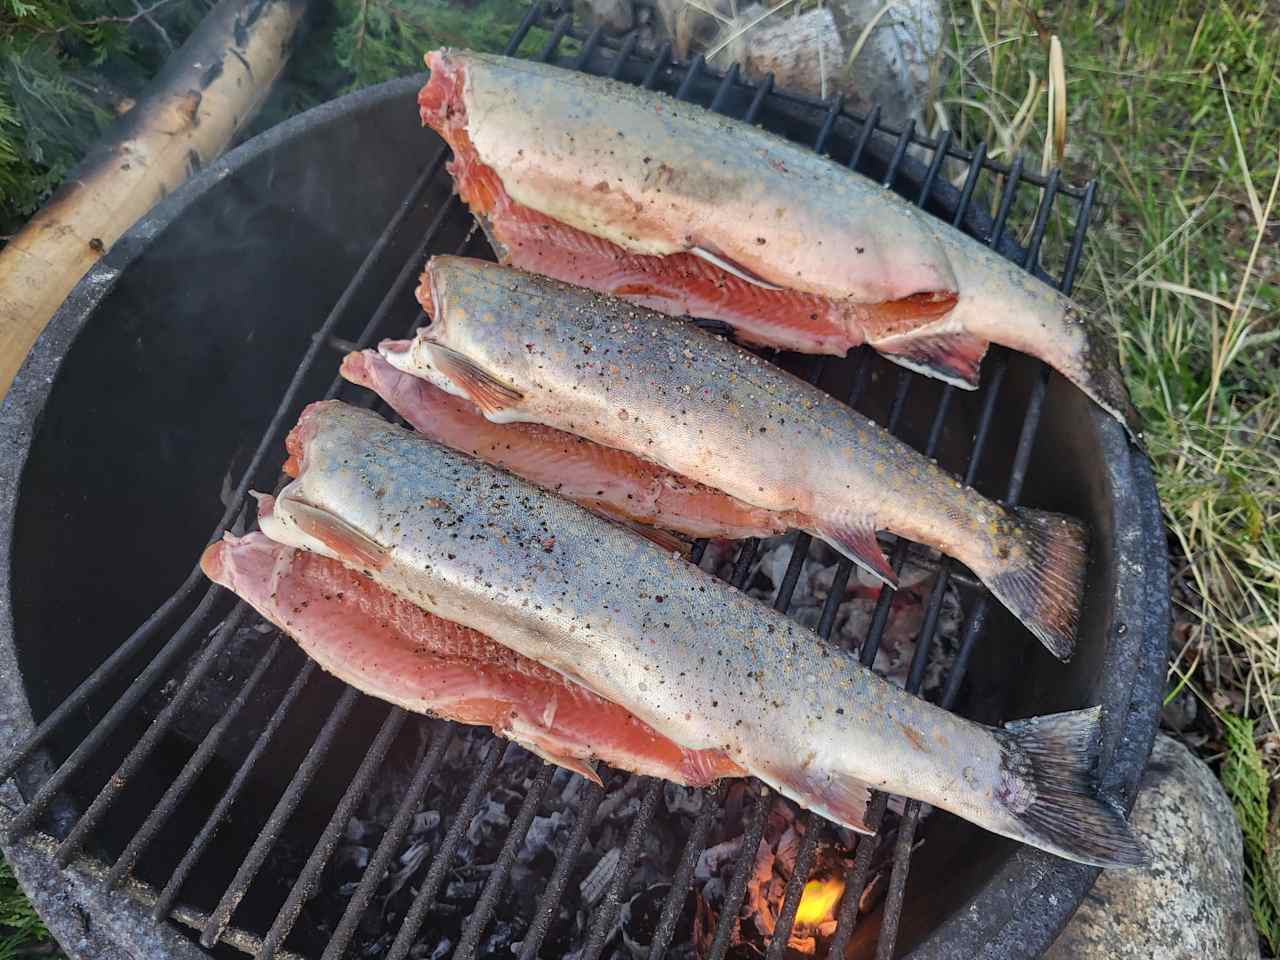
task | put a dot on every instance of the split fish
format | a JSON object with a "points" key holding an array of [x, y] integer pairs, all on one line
{"points": [[630, 192], [701, 663], [393, 650], [526, 348], [610, 482]]}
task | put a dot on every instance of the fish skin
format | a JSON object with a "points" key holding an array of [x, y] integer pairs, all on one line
{"points": [[390, 649], [709, 410], [700, 662], [607, 185], [611, 482]]}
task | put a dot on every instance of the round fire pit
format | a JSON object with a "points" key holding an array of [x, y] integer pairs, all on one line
{"points": [[232, 788]]}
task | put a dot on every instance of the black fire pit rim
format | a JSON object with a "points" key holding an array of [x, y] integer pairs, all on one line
{"points": [[1029, 875]]}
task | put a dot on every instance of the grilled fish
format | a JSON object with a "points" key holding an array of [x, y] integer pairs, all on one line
{"points": [[523, 347], [629, 192], [700, 662], [393, 650], [609, 481]]}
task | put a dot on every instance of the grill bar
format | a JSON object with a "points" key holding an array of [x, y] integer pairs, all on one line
{"points": [[190, 772], [742, 867], [390, 843], [404, 279], [239, 885], [545, 913], [116, 784], [170, 892], [412, 922], [795, 887], [488, 901], [305, 886], [683, 876], [607, 909], [88, 748]]}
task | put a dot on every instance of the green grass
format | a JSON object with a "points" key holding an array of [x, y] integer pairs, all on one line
{"points": [[22, 933], [1176, 107]]}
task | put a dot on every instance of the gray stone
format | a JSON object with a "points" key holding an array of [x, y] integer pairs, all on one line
{"points": [[615, 16], [899, 64], [1190, 904]]}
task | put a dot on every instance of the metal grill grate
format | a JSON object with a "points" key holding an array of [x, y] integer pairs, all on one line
{"points": [[865, 145]]}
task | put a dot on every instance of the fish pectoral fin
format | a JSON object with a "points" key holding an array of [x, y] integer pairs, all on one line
{"points": [[486, 391], [838, 797], [572, 764], [856, 539], [351, 546], [951, 355]]}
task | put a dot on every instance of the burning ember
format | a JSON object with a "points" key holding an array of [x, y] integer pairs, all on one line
{"points": [[819, 901]]}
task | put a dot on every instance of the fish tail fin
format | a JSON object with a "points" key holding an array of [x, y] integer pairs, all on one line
{"points": [[1041, 581], [1047, 791]]}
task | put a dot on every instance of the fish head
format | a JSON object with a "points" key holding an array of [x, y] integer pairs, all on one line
{"points": [[473, 346], [442, 95]]}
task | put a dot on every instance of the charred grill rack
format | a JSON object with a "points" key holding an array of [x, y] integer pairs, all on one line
{"points": [[66, 814]]}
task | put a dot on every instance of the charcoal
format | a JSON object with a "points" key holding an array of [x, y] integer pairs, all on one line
{"points": [[713, 858], [680, 799], [542, 832], [595, 883], [463, 890], [640, 915], [424, 821]]}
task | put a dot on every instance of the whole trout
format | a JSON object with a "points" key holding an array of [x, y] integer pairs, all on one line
{"points": [[675, 207], [699, 662], [523, 347]]}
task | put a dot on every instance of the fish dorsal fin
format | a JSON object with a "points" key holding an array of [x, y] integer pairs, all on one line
{"points": [[352, 547], [484, 390], [856, 539]]}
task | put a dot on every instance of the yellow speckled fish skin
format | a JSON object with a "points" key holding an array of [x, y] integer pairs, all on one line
{"points": [[713, 412], [699, 661]]}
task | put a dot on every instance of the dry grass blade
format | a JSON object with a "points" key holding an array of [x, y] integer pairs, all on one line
{"points": [[747, 28], [1185, 290], [1228, 348], [1254, 203], [1058, 70], [1055, 138], [865, 34]]}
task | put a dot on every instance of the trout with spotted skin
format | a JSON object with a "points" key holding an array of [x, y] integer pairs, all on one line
{"points": [[681, 209], [526, 348], [699, 662]]}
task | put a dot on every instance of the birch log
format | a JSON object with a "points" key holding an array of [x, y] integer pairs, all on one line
{"points": [[206, 92]]}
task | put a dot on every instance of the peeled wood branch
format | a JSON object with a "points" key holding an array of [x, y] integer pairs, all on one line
{"points": [[191, 111]]}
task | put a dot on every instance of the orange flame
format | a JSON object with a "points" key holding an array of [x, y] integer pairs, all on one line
{"points": [[818, 903]]}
